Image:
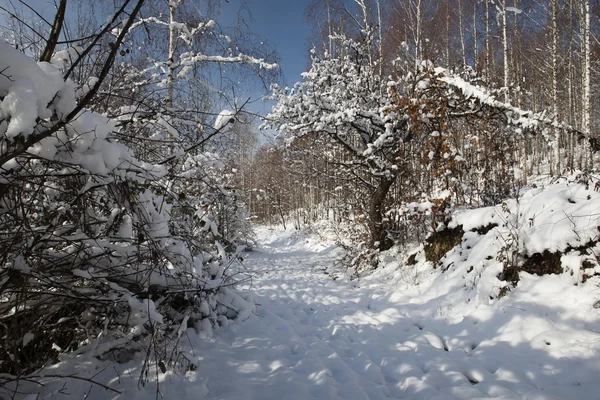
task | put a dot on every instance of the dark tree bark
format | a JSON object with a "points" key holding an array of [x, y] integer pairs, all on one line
{"points": [[379, 238], [55, 33]]}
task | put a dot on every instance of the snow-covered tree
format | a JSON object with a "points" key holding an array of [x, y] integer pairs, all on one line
{"points": [[379, 126], [340, 99]]}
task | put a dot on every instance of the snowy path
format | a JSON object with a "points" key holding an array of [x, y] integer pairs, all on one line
{"points": [[319, 338]]}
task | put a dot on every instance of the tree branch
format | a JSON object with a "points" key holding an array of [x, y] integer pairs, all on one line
{"points": [[35, 138], [59, 19]]}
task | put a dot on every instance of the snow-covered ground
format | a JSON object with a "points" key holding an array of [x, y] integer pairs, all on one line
{"points": [[382, 337], [319, 338]]}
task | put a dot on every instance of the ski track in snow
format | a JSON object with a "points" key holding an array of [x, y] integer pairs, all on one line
{"points": [[316, 338]]}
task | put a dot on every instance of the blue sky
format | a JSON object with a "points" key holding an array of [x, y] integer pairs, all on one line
{"points": [[282, 23], [279, 22]]}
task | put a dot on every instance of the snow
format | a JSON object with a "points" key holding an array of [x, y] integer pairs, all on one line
{"points": [[64, 57], [144, 310], [126, 228], [519, 118], [32, 92], [225, 117], [21, 105], [27, 88], [514, 9], [191, 58], [399, 333], [27, 338], [552, 218]]}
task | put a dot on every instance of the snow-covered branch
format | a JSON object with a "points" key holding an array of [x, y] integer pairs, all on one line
{"points": [[191, 58]]}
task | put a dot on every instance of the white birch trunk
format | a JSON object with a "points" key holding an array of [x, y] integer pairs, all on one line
{"points": [[555, 110], [505, 51], [516, 55], [586, 125], [487, 41], [462, 33], [380, 32], [171, 61], [475, 36], [419, 33], [329, 30], [447, 34]]}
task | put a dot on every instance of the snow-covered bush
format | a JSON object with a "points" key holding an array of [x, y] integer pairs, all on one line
{"points": [[102, 252]]}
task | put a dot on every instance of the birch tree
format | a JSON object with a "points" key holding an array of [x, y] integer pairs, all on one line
{"points": [[555, 108], [586, 109], [505, 55]]}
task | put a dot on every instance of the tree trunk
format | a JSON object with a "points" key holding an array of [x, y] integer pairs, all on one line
{"points": [[462, 34], [380, 33], [475, 38], [488, 64], [419, 34], [447, 34], [505, 51], [280, 208], [171, 61], [379, 239], [516, 57], [59, 19], [586, 125], [554, 10]]}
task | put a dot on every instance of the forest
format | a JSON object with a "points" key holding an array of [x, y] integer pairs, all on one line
{"points": [[534, 57], [138, 181]]}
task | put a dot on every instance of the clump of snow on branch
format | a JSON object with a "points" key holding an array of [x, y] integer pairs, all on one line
{"points": [[225, 117]]}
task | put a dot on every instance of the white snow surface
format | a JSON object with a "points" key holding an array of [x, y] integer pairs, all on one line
{"points": [[27, 88], [225, 117], [554, 217], [404, 332]]}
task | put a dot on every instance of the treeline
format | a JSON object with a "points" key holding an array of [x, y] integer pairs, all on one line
{"points": [[542, 52]]}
